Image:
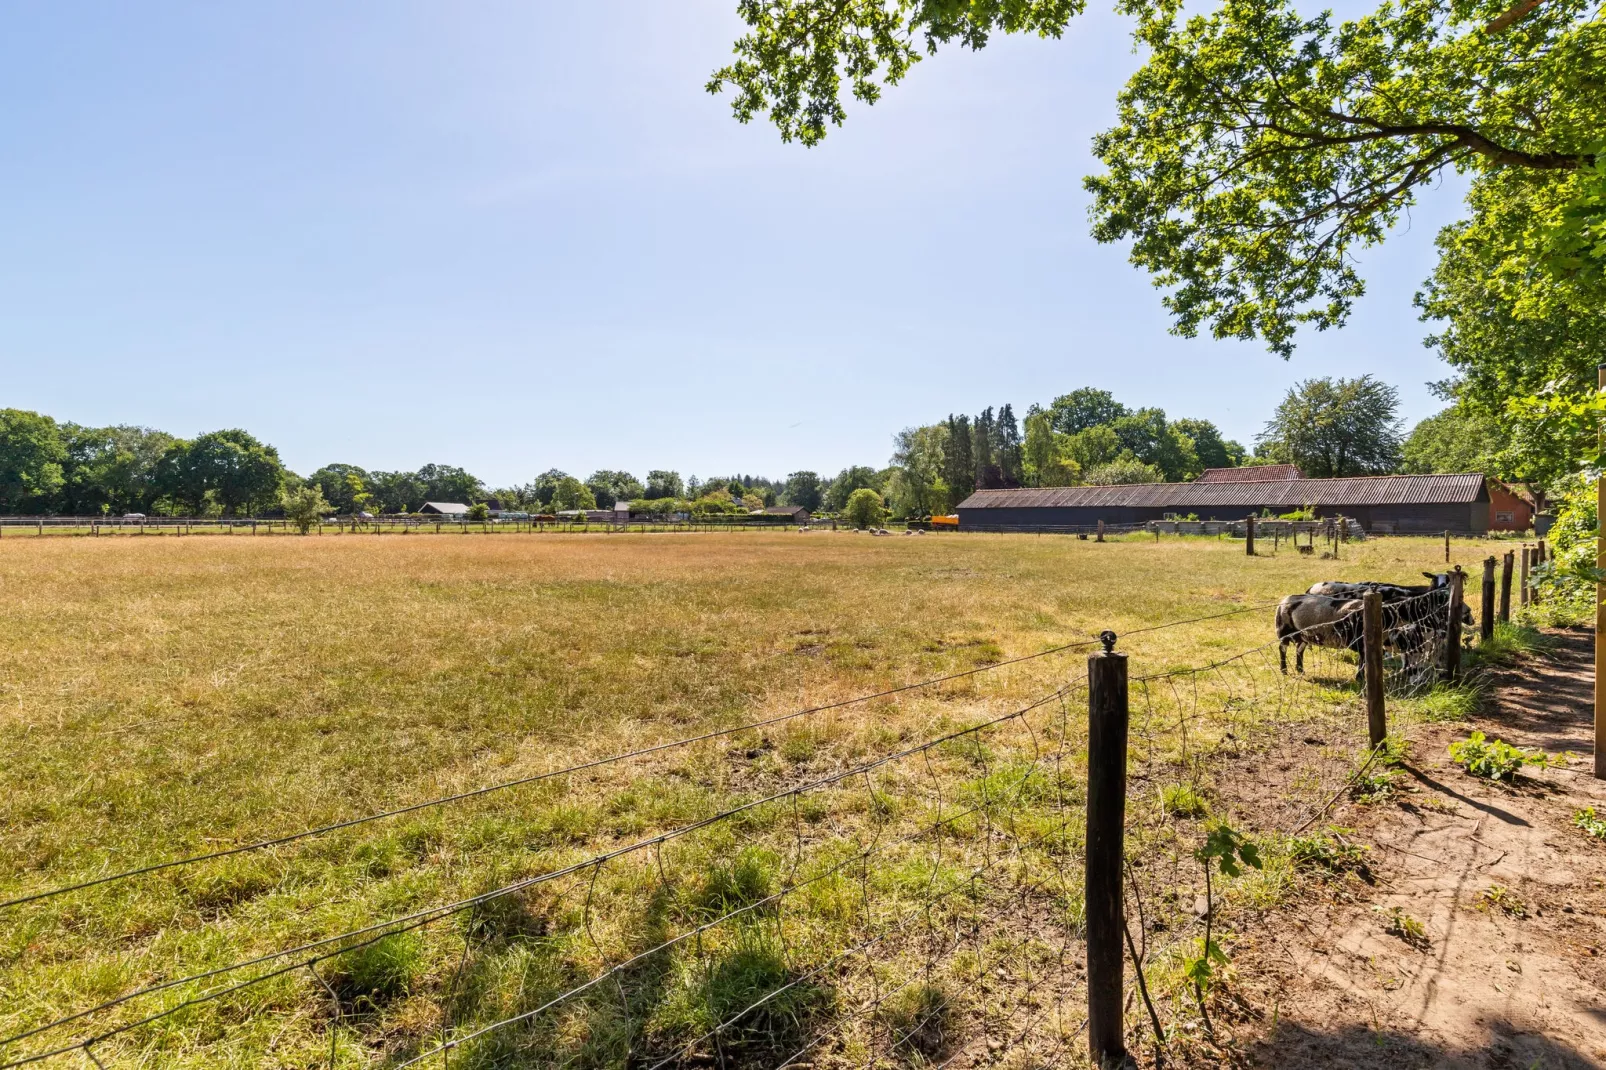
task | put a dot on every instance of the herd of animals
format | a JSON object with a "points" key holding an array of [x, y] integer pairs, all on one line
{"points": [[1330, 615]]}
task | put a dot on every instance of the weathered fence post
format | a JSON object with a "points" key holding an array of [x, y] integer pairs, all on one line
{"points": [[1538, 558], [1101, 531], [1106, 823], [1523, 593], [1249, 535], [1486, 611], [1446, 546], [1452, 646], [1505, 587], [1372, 651]]}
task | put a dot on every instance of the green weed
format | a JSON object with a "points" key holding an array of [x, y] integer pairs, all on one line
{"points": [[1182, 800], [1369, 788], [1492, 759], [1329, 853], [1586, 820], [1500, 898], [1398, 923]]}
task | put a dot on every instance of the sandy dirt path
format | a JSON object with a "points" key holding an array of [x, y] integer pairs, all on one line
{"points": [[1512, 898]]}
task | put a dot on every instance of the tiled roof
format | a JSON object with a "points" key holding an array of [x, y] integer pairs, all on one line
{"points": [[1254, 473], [1293, 493]]}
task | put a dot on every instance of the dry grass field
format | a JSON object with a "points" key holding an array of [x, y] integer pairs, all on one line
{"points": [[166, 696]]}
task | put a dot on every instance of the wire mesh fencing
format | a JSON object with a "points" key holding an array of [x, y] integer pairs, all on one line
{"points": [[1234, 768], [917, 902], [923, 900]]}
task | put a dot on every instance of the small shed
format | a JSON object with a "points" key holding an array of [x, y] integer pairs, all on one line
{"points": [[1510, 509], [444, 508], [795, 513]]}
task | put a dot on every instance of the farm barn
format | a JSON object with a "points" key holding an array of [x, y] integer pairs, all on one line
{"points": [[1380, 503]]}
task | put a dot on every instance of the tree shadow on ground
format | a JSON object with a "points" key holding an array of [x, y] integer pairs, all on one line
{"points": [[1294, 1046]]}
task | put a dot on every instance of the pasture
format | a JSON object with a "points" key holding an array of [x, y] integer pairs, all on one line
{"points": [[167, 697]]}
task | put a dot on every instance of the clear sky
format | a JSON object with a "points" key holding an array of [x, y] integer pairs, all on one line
{"points": [[519, 235]]}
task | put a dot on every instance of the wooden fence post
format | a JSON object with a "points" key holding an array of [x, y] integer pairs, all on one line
{"points": [[1486, 611], [1104, 858], [1101, 531], [1452, 645], [1372, 651], [1505, 587], [1523, 593], [1446, 546], [1600, 608], [1249, 535], [1538, 556]]}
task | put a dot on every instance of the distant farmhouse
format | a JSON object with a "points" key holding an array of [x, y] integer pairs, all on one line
{"points": [[1420, 503]]}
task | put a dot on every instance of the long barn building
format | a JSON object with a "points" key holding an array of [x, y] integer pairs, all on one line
{"points": [[1380, 503]]}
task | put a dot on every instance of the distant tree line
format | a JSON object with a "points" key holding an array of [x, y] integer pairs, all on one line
{"points": [[1328, 427], [1086, 436]]}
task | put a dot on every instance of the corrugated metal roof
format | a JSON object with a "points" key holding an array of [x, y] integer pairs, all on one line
{"points": [[1254, 473], [1355, 490]]}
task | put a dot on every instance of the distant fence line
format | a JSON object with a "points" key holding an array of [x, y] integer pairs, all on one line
{"points": [[177, 525]]}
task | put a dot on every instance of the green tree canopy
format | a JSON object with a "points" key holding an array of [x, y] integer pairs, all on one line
{"points": [[32, 453], [1093, 446], [1209, 447], [231, 469], [1454, 440], [864, 508], [1256, 150], [1081, 409], [1335, 427], [608, 487], [1124, 469], [1048, 462], [918, 488], [397, 492], [664, 484], [570, 493], [111, 469], [304, 506], [806, 490], [856, 477], [1146, 435], [334, 482], [448, 483], [959, 462]]}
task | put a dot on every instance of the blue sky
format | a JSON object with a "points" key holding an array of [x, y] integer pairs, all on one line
{"points": [[514, 236]]}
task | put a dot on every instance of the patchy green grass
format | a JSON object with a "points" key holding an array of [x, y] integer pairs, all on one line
{"points": [[1509, 643], [167, 696], [1182, 800]]}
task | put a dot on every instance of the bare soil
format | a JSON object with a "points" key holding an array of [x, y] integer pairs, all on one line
{"points": [[1519, 982]]}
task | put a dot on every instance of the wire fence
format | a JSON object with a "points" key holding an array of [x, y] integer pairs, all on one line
{"points": [[924, 904]]}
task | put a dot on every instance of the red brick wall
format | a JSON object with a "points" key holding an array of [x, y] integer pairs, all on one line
{"points": [[1503, 501]]}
